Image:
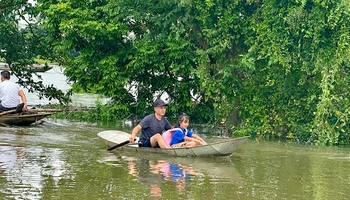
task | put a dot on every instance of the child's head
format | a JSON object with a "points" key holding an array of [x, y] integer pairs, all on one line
{"points": [[184, 121]]}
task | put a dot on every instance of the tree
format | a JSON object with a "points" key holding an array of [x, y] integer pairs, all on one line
{"points": [[265, 67], [302, 51], [20, 46], [94, 41]]}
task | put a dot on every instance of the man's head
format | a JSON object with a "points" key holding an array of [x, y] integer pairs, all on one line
{"points": [[5, 75], [160, 107], [159, 102]]}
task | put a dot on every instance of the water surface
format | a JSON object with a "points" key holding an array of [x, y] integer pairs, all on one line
{"points": [[56, 78], [66, 160]]}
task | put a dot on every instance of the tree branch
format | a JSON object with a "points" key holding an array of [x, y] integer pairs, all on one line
{"points": [[2, 6]]}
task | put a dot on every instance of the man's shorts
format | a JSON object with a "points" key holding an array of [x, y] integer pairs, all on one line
{"points": [[146, 143]]}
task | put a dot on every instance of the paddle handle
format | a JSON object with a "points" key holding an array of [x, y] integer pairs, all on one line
{"points": [[45, 110], [8, 112], [32, 110], [119, 145]]}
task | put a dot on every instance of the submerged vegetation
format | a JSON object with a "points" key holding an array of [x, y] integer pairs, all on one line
{"points": [[268, 68]]}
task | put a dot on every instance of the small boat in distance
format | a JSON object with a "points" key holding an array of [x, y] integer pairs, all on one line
{"points": [[25, 118], [32, 67], [220, 148], [21, 119]]}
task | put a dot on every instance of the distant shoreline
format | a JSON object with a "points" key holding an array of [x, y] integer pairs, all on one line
{"points": [[32, 67]]}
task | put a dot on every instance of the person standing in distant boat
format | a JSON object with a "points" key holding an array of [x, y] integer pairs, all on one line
{"points": [[184, 137], [10, 93], [152, 127]]}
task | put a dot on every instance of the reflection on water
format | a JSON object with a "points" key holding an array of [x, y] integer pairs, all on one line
{"points": [[8, 157], [9, 154], [276, 169], [160, 172], [155, 173], [24, 168], [35, 160], [152, 172]]}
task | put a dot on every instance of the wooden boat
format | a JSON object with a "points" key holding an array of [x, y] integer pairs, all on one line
{"points": [[22, 119], [32, 67], [220, 148]]}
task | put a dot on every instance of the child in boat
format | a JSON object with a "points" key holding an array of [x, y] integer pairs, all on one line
{"points": [[184, 137]]}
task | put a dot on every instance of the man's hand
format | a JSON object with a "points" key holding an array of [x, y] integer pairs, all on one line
{"points": [[25, 107], [134, 132], [132, 139]]}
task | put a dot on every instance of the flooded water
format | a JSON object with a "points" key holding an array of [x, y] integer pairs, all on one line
{"points": [[66, 160], [56, 77]]}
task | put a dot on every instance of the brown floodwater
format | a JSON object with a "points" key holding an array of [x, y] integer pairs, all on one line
{"points": [[66, 160]]}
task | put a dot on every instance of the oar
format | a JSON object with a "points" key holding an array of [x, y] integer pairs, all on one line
{"points": [[119, 145], [50, 110], [17, 110], [45, 110], [8, 112]]}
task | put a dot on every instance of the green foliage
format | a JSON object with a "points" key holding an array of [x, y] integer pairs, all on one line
{"points": [[221, 30], [301, 47], [105, 58], [266, 68], [272, 68], [19, 46], [101, 114]]}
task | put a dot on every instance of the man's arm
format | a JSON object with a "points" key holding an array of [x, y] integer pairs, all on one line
{"points": [[24, 99], [168, 125], [134, 132]]}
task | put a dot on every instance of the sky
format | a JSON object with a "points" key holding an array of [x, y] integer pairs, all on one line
{"points": [[23, 23]]}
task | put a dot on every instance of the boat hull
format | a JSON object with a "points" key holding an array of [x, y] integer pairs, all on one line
{"points": [[22, 119], [220, 148]]}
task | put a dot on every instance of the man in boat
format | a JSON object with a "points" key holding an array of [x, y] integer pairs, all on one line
{"points": [[9, 93], [152, 127]]}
